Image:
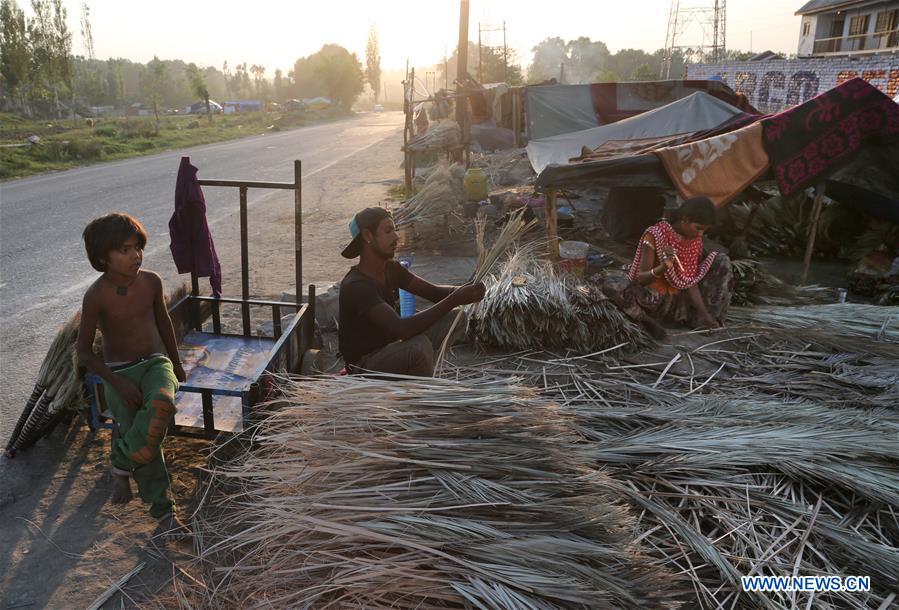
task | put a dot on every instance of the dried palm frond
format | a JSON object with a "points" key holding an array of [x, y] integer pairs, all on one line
{"points": [[853, 319], [412, 493], [504, 168], [440, 135], [755, 286], [760, 451], [514, 228], [429, 209], [529, 305], [58, 387]]}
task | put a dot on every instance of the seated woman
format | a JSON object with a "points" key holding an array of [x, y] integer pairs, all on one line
{"points": [[668, 282]]}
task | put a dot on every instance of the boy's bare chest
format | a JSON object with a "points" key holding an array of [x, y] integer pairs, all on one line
{"points": [[133, 306]]}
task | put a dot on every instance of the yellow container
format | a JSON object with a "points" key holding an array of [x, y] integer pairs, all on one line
{"points": [[475, 183]]}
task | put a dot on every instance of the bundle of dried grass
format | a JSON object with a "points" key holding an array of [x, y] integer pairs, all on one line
{"points": [[757, 452], [441, 193], [529, 305], [854, 319], [440, 135], [58, 387], [412, 493], [755, 286], [504, 168]]}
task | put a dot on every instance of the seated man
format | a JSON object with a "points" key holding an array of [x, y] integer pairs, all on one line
{"points": [[373, 337]]}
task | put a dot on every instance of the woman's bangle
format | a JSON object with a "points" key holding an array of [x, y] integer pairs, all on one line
{"points": [[652, 271]]}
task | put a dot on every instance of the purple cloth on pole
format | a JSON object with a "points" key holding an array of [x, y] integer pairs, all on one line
{"points": [[192, 245]]}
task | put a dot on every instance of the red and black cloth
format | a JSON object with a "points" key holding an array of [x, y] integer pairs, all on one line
{"points": [[812, 140]]}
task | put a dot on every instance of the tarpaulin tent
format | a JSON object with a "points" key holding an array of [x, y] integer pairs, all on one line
{"points": [[695, 113], [556, 109], [847, 137]]}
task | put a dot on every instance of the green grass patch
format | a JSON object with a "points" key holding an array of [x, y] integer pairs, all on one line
{"points": [[65, 145]]}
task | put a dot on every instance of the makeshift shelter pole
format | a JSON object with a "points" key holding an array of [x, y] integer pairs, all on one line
{"points": [[813, 230], [480, 56], [516, 116], [552, 226], [407, 113], [462, 72]]}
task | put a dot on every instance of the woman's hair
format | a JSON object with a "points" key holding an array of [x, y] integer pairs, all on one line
{"points": [[697, 209], [107, 233]]}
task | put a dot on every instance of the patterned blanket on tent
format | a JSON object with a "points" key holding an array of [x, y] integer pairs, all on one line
{"points": [[814, 139]]}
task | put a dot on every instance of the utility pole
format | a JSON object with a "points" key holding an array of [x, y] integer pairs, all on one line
{"points": [[480, 56], [462, 72], [562, 73], [505, 56], [445, 68]]}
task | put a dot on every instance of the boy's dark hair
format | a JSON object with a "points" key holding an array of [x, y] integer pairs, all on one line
{"points": [[698, 209], [108, 233]]}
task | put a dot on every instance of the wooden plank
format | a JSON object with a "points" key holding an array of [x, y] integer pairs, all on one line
{"points": [[552, 226], [813, 231]]}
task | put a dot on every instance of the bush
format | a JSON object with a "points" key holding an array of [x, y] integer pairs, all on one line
{"points": [[139, 129], [106, 131]]}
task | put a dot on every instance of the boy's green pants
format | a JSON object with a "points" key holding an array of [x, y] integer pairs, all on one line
{"points": [[138, 448]]}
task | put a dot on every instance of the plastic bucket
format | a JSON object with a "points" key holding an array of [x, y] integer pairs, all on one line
{"points": [[574, 257]]}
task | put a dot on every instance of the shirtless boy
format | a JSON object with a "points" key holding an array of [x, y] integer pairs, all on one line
{"points": [[140, 366]]}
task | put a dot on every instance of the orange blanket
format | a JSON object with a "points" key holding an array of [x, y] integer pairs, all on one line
{"points": [[719, 167]]}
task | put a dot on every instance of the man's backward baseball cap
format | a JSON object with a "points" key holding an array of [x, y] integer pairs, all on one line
{"points": [[369, 218]]}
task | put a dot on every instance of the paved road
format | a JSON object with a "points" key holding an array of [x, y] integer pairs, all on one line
{"points": [[43, 267]]}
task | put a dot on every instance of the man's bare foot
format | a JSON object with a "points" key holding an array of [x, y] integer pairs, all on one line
{"points": [[171, 528], [121, 488]]}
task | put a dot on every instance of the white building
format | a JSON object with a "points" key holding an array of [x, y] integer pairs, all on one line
{"points": [[848, 27]]}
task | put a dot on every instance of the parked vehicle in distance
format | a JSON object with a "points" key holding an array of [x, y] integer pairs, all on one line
{"points": [[200, 108], [378, 108]]}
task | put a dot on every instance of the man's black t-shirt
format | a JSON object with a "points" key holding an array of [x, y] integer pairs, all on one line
{"points": [[359, 293]]}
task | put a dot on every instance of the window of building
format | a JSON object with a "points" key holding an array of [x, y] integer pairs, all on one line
{"points": [[858, 25], [887, 21], [806, 27]]}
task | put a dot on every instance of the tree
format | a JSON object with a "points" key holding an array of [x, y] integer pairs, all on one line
{"points": [[115, 83], [373, 62], [151, 82], [280, 85], [606, 76], [549, 55], [496, 68], [51, 44], [198, 86], [332, 71], [15, 55], [259, 83], [644, 72], [585, 58]]}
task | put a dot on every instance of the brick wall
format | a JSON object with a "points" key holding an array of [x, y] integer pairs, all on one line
{"points": [[776, 84]]}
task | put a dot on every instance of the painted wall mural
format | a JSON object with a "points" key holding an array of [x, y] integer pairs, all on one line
{"points": [[778, 84]]}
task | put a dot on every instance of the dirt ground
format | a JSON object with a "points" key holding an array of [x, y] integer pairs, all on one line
{"points": [[62, 544]]}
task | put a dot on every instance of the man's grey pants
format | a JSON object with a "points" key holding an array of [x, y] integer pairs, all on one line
{"points": [[414, 356]]}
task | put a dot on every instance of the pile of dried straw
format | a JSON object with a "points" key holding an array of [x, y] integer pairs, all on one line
{"points": [[414, 493]]}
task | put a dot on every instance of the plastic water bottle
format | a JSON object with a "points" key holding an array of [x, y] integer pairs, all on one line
{"points": [[407, 299]]}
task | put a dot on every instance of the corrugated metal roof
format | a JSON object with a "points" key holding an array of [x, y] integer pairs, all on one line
{"points": [[817, 6]]}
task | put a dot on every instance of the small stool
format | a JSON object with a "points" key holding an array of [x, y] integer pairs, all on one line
{"points": [[93, 383]]}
